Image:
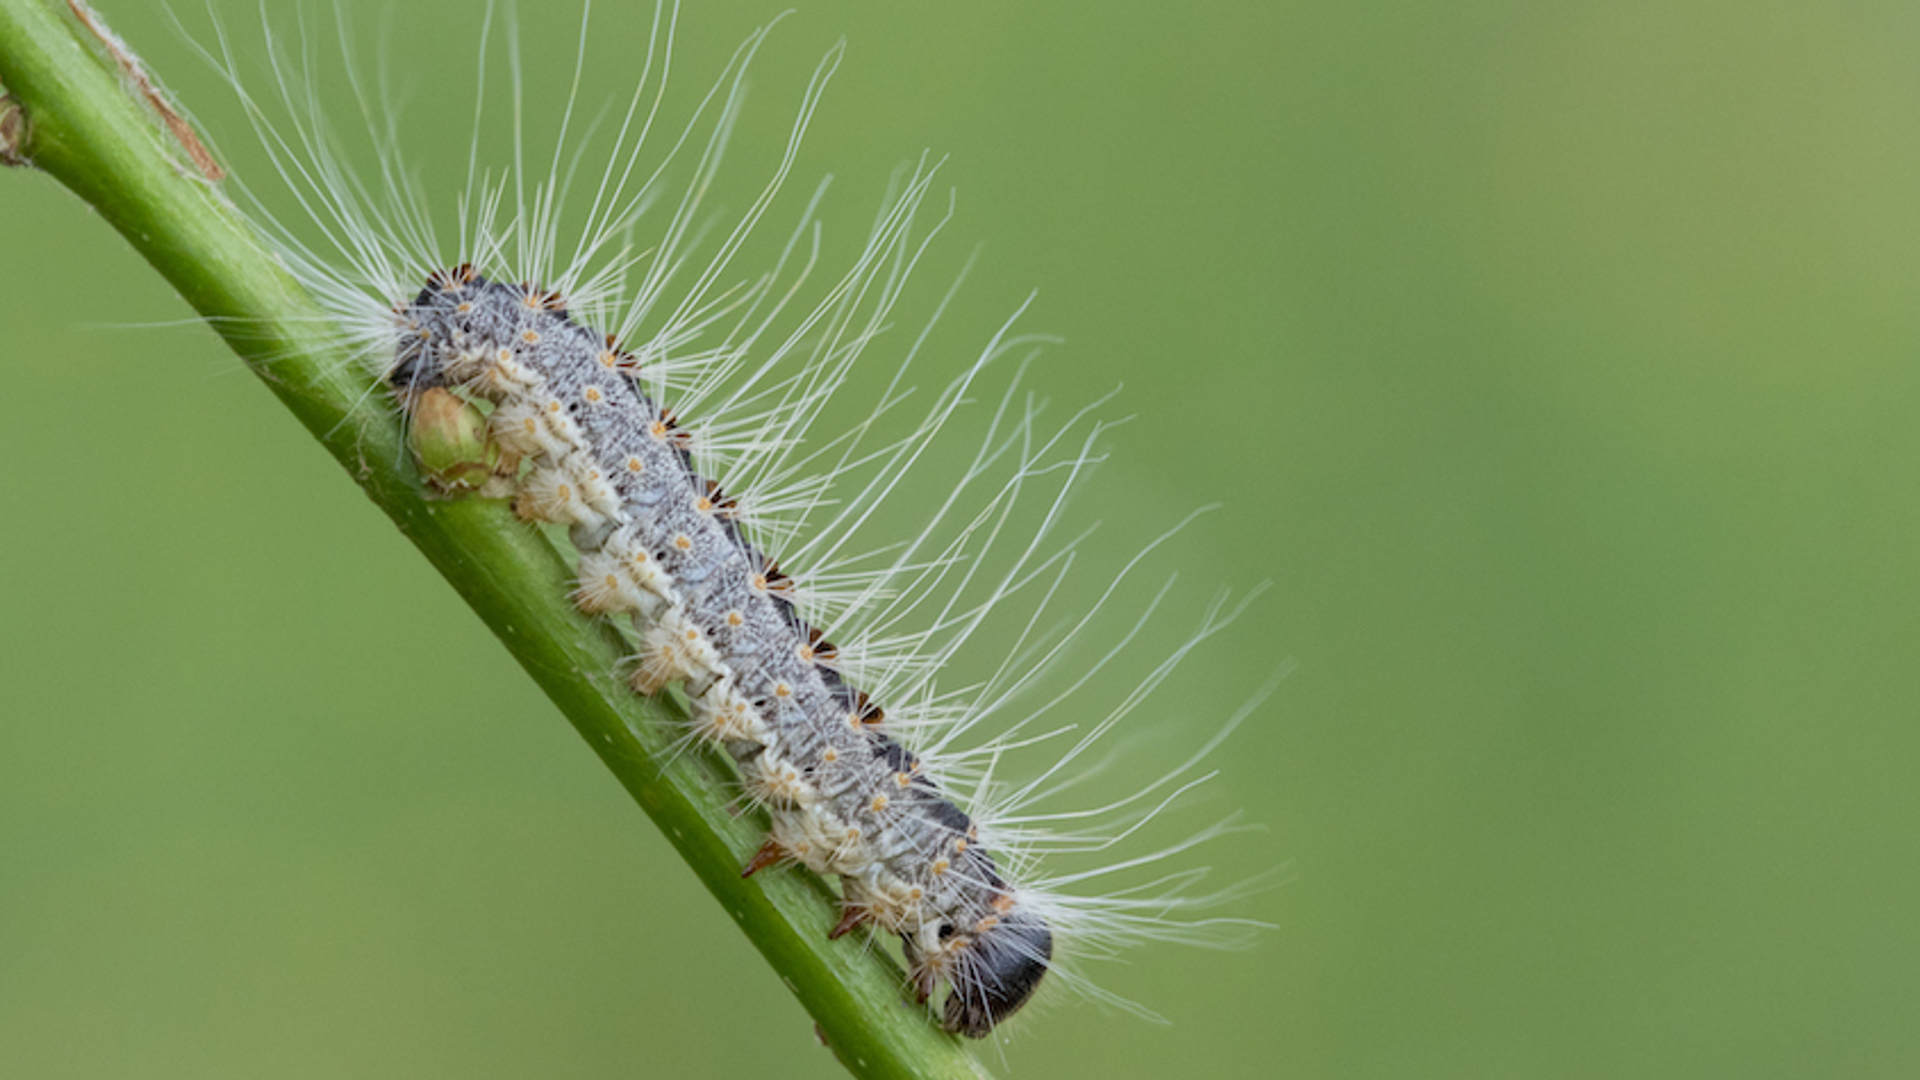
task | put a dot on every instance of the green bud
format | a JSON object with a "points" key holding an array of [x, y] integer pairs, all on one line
{"points": [[449, 439]]}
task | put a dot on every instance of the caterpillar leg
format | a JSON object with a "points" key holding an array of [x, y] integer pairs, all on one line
{"points": [[851, 916], [771, 853]]}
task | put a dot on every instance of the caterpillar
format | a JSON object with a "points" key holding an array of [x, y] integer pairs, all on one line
{"points": [[660, 544], [852, 744]]}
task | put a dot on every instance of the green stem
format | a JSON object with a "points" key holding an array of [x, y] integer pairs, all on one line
{"points": [[89, 133]]}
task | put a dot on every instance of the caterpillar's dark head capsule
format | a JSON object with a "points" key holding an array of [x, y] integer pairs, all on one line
{"points": [[996, 971]]}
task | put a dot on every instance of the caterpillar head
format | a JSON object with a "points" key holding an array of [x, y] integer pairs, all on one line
{"points": [[993, 966]]}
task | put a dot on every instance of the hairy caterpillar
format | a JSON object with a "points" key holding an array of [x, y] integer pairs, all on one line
{"points": [[384, 255]]}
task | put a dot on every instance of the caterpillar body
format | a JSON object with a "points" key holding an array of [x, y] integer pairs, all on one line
{"points": [[730, 540], [660, 544]]}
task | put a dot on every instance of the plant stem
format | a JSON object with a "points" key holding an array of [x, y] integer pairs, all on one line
{"points": [[86, 130]]}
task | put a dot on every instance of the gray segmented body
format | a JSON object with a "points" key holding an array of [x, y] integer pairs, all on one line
{"points": [[659, 543]]}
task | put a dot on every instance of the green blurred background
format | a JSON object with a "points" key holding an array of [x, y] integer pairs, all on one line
{"points": [[1555, 364]]}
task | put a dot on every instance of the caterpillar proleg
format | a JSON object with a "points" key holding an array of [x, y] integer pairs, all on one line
{"points": [[685, 420]]}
